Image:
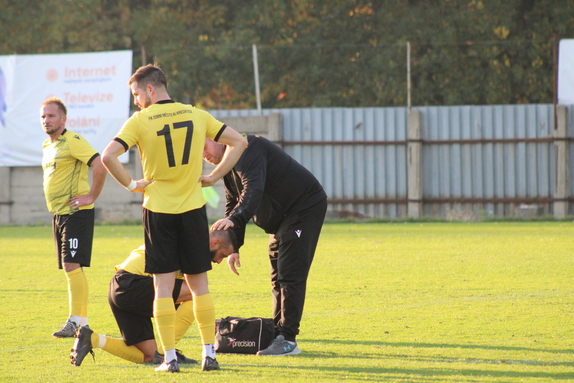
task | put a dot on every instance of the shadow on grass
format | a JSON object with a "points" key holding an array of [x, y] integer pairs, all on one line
{"points": [[310, 364], [436, 345], [431, 374], [340, 374]]}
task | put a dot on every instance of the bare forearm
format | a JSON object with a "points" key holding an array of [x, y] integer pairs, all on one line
{"points": [[98, 180], [236, 145], [116, 169], [113, 164], [230, 158]]}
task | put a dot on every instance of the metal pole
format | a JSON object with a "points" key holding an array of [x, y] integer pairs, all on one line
{"points": [[409, 75], [256, 74], [555, 45]]}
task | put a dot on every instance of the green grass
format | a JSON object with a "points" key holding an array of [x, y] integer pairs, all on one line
{"points": [[397, 302]]}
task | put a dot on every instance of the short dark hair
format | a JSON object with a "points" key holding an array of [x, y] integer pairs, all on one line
{"points": [[56, 101], [149, 74], [227, 238]]}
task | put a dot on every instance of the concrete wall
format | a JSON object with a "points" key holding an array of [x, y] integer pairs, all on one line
{"points": [[22, 198]]}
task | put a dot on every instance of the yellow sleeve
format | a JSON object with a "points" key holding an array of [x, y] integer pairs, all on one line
{"points": [[129, 131], [213, 125], [81, 149]]}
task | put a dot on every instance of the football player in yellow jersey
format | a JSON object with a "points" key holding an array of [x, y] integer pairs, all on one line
{"points": [[170, 137], [66, 158], [131, 296]]}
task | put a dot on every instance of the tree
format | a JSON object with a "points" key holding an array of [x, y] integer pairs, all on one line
{"points": [[312, 53]]}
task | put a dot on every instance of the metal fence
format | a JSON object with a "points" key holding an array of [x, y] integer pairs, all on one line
{"points": [[476, 160], [493, 158]]}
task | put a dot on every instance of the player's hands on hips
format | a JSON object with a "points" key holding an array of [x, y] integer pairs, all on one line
{"points": [[140, 186], [207, 180], [222, 224], [81, 200], [233, 261]]}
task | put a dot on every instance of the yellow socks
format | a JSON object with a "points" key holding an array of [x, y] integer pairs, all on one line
{"points": [[164, 314], [117, 347], [78, 292], [95, 339], [184, 317], [205, 315]]}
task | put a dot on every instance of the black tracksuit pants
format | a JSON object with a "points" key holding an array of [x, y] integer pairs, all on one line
{"points": [[291, 252]]}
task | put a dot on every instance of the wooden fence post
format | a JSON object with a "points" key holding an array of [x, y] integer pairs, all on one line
{"points": [[414, 164], [561, 145]]}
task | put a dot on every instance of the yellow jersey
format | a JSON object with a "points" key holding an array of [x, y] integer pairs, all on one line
{"points": [[135, 264], [65, 163], [170, 137]]}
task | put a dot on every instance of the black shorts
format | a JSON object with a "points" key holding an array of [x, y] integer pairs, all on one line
{"points": [[176, 242], [73, 237], [131, 300]]}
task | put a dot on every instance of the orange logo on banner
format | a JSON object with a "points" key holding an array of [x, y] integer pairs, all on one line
{"points": [[52, 75]]}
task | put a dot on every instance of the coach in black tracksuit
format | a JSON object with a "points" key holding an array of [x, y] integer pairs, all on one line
{"points": [[286, 201]]}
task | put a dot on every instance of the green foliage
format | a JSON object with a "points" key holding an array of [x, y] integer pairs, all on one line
{"points": [[402, 302], [313, 53]]}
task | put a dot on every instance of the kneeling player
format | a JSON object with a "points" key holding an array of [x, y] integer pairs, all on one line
{"points": [[131, 296]]}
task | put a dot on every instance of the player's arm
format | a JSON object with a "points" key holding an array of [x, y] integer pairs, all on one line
{"points": [[117, 170], [236, 144], [96, 186], [252, 171], [98, 179], [230, 202]]}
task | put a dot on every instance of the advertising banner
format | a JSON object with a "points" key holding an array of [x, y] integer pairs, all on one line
{"points": [[93, 86], [566, 72]]}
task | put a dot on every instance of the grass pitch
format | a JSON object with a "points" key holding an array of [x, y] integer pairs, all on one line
{"points": [[397, 302]]}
